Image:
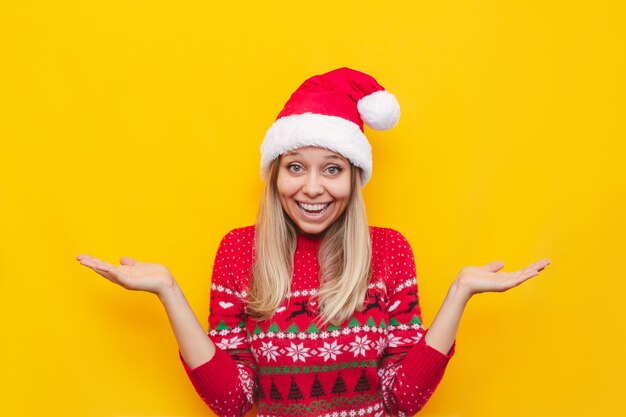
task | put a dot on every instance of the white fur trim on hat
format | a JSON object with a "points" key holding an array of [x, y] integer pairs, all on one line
{"points": [[308, 129], [379, 110]]}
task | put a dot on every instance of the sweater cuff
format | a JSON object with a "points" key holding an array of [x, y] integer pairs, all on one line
{"points": [[425, 364], [216, 378]]}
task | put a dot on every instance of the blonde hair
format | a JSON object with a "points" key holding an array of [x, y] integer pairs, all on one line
{"points": [[344, 256]]}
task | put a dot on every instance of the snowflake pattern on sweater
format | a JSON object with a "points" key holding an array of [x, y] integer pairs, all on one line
{"points": [[375, 364]]}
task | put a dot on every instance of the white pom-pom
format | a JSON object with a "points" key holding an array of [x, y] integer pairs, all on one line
{"points": [[379, 110]]}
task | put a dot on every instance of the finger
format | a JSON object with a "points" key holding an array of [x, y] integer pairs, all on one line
{"points": [[108, 271], [494, 266], [541, 264], [108, 275], [510, 280], [86, 260], [528, 272], [93, 261], [82, 256], [112, 274], [534, 268], [126, 260], [98, 265]]}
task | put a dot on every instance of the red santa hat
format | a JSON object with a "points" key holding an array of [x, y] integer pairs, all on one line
{"points": [[328, 111]]}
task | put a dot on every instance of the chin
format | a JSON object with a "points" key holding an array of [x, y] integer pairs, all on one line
{"points": [[312, 230]]}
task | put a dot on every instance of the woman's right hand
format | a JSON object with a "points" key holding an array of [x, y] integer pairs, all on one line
{"points": [[195, 345], [132, 274]]}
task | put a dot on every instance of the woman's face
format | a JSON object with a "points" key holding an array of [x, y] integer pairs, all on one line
{"points": [[314, 187]]}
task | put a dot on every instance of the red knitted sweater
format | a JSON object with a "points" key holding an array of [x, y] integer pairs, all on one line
{"points": [[377, 363]]}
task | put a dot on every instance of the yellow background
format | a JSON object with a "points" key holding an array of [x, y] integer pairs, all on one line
{"points": [[133, 128]]}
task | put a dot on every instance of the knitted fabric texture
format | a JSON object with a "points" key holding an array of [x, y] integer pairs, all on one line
{"points": [[375, 364]]}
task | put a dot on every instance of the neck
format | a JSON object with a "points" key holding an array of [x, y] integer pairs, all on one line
{"points": [[308, 242]]}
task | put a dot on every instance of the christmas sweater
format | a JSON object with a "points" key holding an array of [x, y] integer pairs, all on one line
{"points": [[375, 364]]}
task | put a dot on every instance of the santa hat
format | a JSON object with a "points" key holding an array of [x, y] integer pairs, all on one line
{"points": [[328, 111]]}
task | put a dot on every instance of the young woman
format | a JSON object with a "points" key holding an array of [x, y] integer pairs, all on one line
{"points": [[313, 312]]}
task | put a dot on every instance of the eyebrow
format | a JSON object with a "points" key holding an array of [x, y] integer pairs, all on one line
{"points": [[325, 156]]}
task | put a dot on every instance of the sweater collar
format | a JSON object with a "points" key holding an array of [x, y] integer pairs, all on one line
{"points": [[308, 242]]}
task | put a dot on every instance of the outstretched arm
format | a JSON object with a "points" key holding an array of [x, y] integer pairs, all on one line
{"points": [[221, 369], [195, 346], [470, 281]]}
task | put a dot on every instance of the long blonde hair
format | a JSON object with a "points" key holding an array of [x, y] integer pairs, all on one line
{"points": [[344, 256]]}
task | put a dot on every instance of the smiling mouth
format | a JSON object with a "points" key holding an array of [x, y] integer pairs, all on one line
{"points": [[313, 209]]}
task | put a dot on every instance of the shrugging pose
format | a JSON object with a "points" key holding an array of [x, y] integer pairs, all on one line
{"points": [[313, 312]]}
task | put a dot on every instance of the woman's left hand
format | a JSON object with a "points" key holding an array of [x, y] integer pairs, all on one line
{"points": [[473, 280], [477, 279]]}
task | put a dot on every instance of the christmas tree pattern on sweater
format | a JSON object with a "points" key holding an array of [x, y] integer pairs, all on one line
{"points": [[375, 364]]}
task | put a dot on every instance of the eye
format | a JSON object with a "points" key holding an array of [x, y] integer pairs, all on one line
{"points": [[334, 170], [295, 168]]}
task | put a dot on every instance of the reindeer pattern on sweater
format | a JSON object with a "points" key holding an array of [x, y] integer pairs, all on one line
{"points": [[375, 364]]}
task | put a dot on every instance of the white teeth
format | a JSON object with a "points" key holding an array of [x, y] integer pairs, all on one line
{"points": [[313, 207]]}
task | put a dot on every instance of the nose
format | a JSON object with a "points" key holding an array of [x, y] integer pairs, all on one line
{"points": [[313, 185]]}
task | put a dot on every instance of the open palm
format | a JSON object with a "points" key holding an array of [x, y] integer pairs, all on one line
{"points": [[478, 279], [131, 274]]}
